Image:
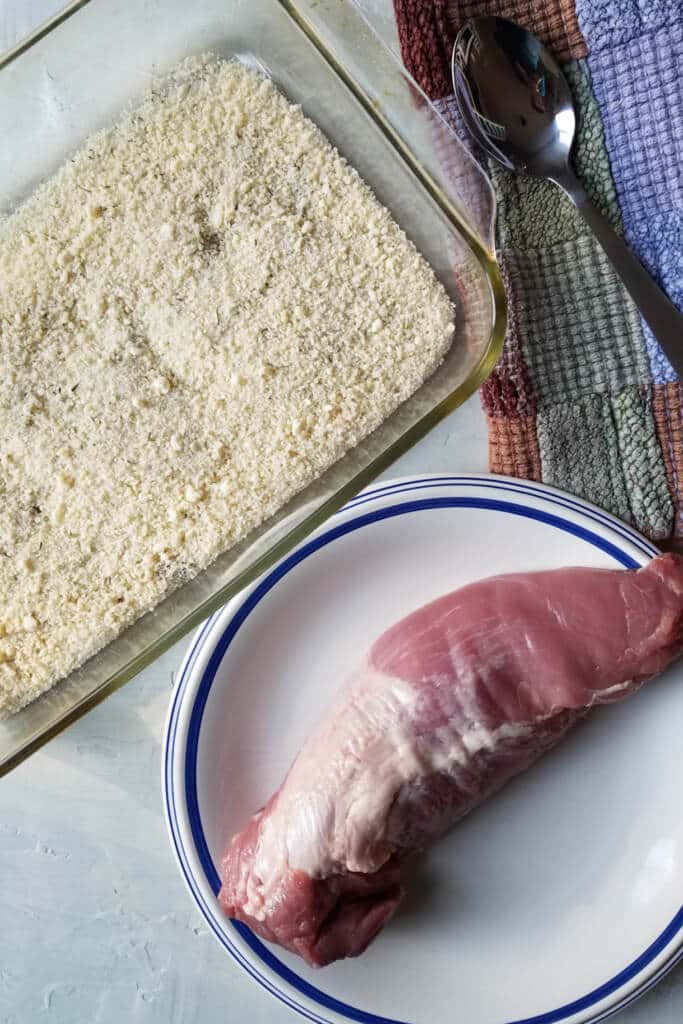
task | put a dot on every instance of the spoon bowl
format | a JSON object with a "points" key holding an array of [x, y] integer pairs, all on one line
{"points": [[514, 97]]}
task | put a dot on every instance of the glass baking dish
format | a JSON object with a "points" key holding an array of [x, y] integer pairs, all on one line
{"points": [[338, 59]]}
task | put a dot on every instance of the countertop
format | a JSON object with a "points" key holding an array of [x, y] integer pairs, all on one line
{"points": [[96, 924]]}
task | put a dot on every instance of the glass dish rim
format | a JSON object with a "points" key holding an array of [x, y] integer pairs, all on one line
{"points": [[363, 477]]}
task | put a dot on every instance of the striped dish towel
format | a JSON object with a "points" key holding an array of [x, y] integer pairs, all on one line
{"points": [[582, 397]]}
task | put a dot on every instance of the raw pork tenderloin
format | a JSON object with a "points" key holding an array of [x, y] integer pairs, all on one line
{"points": [[450, 703]]}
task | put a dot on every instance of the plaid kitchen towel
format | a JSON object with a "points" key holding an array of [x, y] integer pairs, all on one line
{"points": [[582, 397]]}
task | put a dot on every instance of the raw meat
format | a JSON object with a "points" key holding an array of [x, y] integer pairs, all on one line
{"points": [[450, 703]]}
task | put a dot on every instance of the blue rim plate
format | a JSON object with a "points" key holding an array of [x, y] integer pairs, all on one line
{"points": [[516, 524]]}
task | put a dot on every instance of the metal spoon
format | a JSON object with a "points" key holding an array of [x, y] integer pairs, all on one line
{"points": [[517, 104]]}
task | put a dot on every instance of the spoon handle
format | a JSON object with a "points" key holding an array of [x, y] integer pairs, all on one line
{"points": [[664, 320]]}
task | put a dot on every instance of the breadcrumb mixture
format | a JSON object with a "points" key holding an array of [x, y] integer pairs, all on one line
{"points": [[199, 314]]}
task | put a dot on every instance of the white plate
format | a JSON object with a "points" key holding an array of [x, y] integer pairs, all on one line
{"points": [[560, 899]]}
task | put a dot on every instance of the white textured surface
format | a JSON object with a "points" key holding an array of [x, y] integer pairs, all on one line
{"points": [[95, 922]]}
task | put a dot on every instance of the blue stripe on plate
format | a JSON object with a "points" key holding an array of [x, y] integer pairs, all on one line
{"points": [[172, 819], [639, 992], [252, 600], [512, 487]]}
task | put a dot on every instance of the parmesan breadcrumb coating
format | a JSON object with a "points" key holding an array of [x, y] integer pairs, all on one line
{"points": [[200, 313]]}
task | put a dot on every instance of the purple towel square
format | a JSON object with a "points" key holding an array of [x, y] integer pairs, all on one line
{"points": [[659, 245], [639, 87], [607, 23]]}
